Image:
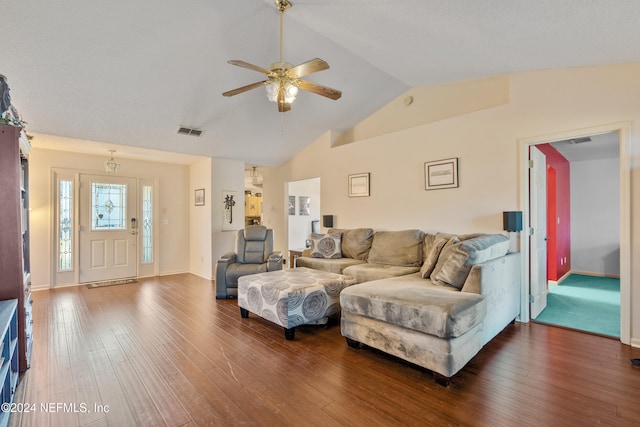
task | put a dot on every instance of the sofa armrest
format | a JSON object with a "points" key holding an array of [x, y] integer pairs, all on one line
{"points": [[498, 281], [221, 273], [228, 258], [274, 262]]}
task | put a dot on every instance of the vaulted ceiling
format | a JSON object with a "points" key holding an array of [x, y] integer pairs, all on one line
{"points": [[132, 72]]}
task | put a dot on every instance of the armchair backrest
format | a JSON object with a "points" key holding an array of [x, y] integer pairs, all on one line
{"points": [[254, 245]]}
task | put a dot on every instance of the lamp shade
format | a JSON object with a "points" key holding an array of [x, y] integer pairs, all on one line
{"points": [[512, 220], [327, 221]]}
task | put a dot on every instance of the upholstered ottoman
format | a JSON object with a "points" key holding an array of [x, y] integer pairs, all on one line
{"points": [[292, 297]]}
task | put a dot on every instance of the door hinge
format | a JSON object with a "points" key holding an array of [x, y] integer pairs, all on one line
{"points": [[530, 164], [532, 299], [531, 231]]}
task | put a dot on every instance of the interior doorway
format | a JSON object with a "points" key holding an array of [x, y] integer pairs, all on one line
{"points": [[303, 206], [621, 131], [582, 235]]}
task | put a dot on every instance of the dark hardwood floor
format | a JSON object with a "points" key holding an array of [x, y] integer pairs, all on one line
{"points": [[165, 352]]}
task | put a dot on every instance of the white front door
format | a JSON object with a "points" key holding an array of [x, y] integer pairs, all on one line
{"points": [[538, 239], [108, 228]]}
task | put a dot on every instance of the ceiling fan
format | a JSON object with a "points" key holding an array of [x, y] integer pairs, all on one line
{"points": [[283, 79]]}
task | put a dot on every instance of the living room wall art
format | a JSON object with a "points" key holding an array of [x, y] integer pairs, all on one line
{"points": [[230, 214], [292, 205], [359, 185], [304, 204], [199, 197], [441, 174]]}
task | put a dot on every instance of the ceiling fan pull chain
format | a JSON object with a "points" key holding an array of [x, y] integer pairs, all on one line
{"points": [[282, 125]]}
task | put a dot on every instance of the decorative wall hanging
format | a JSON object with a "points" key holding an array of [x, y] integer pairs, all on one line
{"points": [[359, 185], [304, 205], [292, 205], [230, 213], [441, 174], [199, 197]]}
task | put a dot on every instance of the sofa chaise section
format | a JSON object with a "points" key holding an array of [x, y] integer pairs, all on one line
{"points": [[433, 323]]}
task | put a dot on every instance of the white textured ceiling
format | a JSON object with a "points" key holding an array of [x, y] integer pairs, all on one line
{"points": [[131, 72]]}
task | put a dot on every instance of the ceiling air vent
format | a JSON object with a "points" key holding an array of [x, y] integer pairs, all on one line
{"points": [[579, 140], [189, 131]]}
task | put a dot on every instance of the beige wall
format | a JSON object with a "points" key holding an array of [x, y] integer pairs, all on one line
{"points": [[226, 175], [200, 216], [173, 256], [486, 142]]}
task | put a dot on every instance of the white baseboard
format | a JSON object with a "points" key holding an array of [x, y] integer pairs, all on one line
{"points": [[635, 342]]}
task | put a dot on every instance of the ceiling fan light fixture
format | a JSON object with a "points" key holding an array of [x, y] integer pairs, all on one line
{"points": [[272, 91], [290, 93], [283, 79]]}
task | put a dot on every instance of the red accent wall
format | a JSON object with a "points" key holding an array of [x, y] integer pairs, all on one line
{"points": [[558, 208], [552, 232]]}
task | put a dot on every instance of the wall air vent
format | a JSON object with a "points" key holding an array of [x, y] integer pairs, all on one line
{"points": [[189, 131], [579, 140]]}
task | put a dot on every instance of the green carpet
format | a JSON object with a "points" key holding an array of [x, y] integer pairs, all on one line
{"points": [[587, 303]]}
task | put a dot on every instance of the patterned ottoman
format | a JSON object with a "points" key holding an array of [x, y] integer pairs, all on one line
{"points": [[292, 297]]}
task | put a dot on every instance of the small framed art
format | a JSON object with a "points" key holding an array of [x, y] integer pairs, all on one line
{"points": [[441, 174], [359, 185], [199, 197]]}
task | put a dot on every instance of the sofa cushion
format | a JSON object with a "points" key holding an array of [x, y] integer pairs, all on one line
{"points": [[417, 304], [356, 243], [433, 245], [336, 265], [367, 272], [325, 246], [455, 261], [402, 248]]}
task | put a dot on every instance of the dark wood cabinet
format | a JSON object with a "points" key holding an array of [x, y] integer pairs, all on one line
{"points": [[15, 271]]}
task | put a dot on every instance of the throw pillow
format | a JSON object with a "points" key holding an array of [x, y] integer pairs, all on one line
{"points": [[455, 261], [325, 246], [400, 248], [432, 248], [356, 242]]}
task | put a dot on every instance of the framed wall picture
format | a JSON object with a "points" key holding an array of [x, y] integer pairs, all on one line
{"points": [[199, 197], [304, 205], [231, 219], [292, 205], [359, 185], [441, 174]]}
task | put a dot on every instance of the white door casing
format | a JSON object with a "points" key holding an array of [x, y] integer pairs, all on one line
{"points": [[108, 228], [538, 232]]}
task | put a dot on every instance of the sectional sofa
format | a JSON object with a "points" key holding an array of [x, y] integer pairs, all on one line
{"points": [[432, 299]]}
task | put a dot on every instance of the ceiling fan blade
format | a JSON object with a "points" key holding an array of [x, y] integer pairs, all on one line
{"points": [[306, 68], [244, 64], [320, 90], [244, 88], [283, 106]]}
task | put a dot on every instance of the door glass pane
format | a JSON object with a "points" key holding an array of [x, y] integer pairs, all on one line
{"points": [[147, 224], [65, 205], [109, 206]]}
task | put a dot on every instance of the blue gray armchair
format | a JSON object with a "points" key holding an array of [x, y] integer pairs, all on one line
{"points": [[254, 254]]}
